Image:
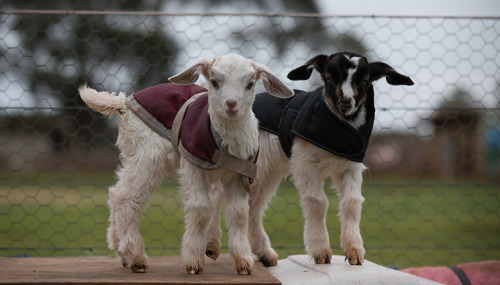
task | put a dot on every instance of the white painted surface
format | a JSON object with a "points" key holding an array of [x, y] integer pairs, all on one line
{"points": [[300, 269]]}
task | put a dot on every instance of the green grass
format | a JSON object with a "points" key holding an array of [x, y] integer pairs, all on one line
{"points": [[404, 223]]}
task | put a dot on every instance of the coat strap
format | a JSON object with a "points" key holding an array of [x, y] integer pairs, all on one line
{"points": [[176, 125], [244, 167], [247, 169]]}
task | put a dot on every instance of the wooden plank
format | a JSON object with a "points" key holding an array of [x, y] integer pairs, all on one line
{"points": [[108, 270]]}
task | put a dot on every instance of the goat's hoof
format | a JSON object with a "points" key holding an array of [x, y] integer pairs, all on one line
{"points": [[354, 256], [139, 268], [269, 261], [194, 269], [324, 257], [123, 259], [243, 266], [213, 249], [244, 271], [212, 254]]}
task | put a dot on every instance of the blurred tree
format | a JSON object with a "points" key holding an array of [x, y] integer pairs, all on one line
{"points": [[61, 52], [310, 29], [87, 49]]}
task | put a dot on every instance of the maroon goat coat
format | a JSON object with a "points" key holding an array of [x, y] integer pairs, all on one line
{"points": [[158, 106]]}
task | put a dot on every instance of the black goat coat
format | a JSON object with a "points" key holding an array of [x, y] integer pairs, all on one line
{"points": [[307, 116]]}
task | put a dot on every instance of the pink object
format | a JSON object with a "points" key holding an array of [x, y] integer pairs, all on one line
{"points": [[482, 272]]}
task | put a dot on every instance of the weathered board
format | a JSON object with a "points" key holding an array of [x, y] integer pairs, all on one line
{"points": [[108, 270]]}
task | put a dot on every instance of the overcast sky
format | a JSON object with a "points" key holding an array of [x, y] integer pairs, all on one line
{"points": [[488, 8]]}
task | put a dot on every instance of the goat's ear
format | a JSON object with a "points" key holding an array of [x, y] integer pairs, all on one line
{"points": [[272, 83], [191, 74], [380, 69], [303, 72]]}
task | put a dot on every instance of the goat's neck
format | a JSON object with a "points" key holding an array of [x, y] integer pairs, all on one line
{"points": [[239, 136]]}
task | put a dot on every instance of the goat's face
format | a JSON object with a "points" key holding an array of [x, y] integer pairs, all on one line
{"points": [[231, 83], [347, 77]]}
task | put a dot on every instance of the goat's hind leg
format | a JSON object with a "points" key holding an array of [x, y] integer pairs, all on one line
{"points": [[272, 166], [127, 200], [262, 193], [214, 231], [141, 173], [112, 235]]}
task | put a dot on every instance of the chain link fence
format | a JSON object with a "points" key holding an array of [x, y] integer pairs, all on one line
{"points": [[432, 189]]}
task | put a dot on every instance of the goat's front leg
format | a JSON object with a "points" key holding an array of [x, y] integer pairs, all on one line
{"points": [[350, 204], [197, 206], [214, 231], [314, 206], [237, 220]]}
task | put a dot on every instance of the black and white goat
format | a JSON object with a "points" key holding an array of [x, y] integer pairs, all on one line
{"points": [[316, 135], [149, 153]]}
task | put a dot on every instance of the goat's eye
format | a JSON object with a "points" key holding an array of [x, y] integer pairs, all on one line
{"points": [[214, 84], [250, 85]]}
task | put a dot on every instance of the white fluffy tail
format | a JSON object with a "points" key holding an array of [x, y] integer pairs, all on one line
{"points": [[103, 102]]}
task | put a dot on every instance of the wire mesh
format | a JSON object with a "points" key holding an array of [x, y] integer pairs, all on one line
{"points": [[432, 189]]}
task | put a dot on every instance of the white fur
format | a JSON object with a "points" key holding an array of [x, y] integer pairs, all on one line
{"points": [[347, 89], [147, 158], [309, 166]]}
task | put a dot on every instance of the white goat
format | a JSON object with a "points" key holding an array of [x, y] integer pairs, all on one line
{"points": [[147, 157]]}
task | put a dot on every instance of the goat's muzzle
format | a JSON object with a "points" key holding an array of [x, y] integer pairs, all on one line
{"points": [[230, 103], [346, 104], [231, 108]]}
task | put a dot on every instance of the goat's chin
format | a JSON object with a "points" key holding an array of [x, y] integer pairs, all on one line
{"points": [[350, 112], [232, 114]]}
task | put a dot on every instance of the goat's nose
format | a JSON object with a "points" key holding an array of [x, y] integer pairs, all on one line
{"points": [[346, 102], [231, 103]]}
